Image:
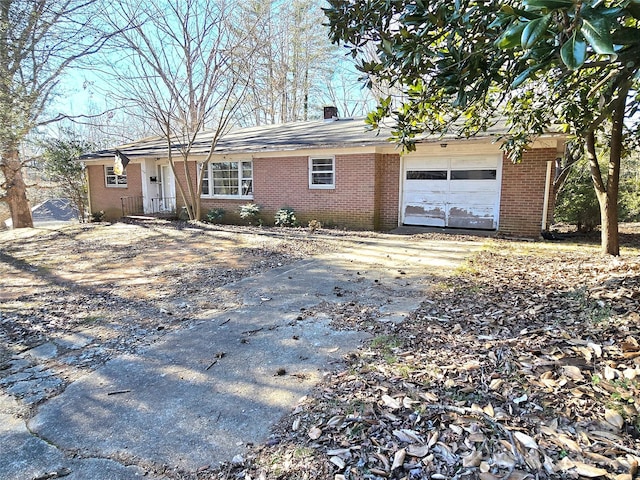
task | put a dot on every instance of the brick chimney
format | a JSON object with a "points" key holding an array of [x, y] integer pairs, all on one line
{"points": [[330, 113]]}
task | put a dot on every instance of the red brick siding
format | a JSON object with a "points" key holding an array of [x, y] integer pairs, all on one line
{"points": [[280, 182], [522, 197], [181, 179], [284, 182], [108, 198], [366, 195], [387, 191]]}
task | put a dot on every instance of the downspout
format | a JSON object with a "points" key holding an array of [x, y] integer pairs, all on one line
{"points": [[547, 191], [145, 186], [400, 191]]}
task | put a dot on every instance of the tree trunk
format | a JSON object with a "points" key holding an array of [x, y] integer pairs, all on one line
{"points": [[609, 223], [607, 194], [16, 190], [609, 207]]}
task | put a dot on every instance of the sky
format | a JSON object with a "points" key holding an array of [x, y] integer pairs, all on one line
{"points": [[83, 92]]}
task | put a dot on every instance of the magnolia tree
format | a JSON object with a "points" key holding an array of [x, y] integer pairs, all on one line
{"points": [[461, 64]]}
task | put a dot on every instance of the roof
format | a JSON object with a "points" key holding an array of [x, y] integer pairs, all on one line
{"points": [[318, 134]]}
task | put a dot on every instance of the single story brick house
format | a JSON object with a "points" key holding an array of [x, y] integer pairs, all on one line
{"points": [[339, 173]]}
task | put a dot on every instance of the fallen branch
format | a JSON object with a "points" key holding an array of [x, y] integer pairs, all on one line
{"points": [[251, 332], [212, 364], [619, 446], [118, 392], [63, 472]]}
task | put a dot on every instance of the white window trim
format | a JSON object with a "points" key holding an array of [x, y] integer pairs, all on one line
{"points": [[117, 185], [228, 197], [331, 186]]}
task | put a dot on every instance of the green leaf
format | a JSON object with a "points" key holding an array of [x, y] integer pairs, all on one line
{"points": [[518, 12], [511, 37], [626, 36], [534, 31], [574, 52], [508, 9], [548, 4], [595, 29], [634, 9], [528, 73]]}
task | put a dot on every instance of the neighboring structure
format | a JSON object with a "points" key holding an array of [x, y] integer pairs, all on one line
{"points": [[52, 212], [337, 172]]}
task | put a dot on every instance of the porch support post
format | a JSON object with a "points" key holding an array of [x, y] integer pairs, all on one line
{"points": [[547, 191]]}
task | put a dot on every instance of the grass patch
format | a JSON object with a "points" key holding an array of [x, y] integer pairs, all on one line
{"points": [[386, 343]]}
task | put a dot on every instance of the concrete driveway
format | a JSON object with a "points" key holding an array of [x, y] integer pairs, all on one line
{"points": [[203, 394]]}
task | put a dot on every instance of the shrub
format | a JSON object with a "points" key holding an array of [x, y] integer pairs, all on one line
{"points": [[630, 200], [249, 212], [577, 203], [314, 225], [215, 215], [97, 216], [285, 217]]}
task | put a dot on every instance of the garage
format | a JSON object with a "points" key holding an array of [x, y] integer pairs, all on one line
{"points": [[455, 192]]}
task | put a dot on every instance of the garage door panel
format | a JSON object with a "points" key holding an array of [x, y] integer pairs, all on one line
{"points": [[473, 188], [451, 192], [432, 164], [427, 187], [475, 198], [425, 215], [476, 218]]}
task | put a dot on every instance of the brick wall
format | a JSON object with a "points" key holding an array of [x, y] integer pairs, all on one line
{"points": [[284, 182], [365, 195], [181, 177], [108, 198], [522, 196], [387, 191]]}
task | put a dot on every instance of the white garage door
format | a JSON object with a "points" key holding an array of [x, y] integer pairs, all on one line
{"points": [[460, 192]]}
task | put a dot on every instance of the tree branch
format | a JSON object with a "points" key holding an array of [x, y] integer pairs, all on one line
{"points": [[594, 166]]}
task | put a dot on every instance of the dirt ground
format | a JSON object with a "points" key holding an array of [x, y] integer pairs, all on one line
{"points": [[123, 282], [523, 364]]}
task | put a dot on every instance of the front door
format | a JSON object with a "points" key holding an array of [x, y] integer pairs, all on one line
{"points": [[167, 200]]}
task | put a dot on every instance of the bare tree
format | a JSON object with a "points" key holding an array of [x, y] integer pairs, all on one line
{"points": [[293, 61], [39, 41], [181, 65]]}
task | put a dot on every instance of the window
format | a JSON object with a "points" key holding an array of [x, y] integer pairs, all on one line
{"points": [[473, 174], [426, 174], [113, 180], [322, 172], [228, 179]]}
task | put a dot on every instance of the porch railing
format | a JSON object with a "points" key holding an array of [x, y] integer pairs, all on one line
{"points": [[132, 206], [155, 206]]}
